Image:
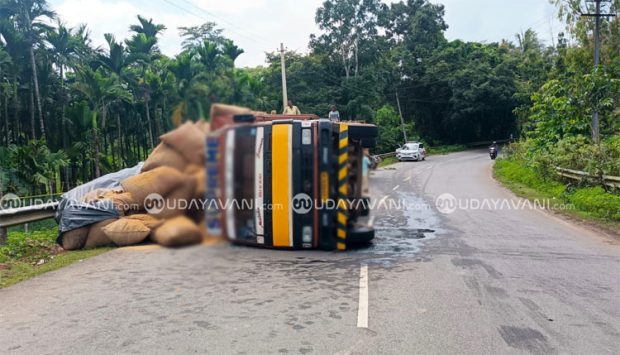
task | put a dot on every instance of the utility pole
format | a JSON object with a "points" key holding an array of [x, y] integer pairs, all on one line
{"points": [[597, 58], [283, 63], [402, 121]]}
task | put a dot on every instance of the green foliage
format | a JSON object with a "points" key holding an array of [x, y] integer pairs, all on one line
{"points": [[32, 169], [390, 131], [573, 152], [563, 108]]}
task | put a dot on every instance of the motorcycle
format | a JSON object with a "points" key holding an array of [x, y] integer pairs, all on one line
{"points": [[493, 153]]}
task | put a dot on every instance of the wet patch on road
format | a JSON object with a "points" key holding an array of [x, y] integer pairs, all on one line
{"points": [[527, 339], [403, 223]]}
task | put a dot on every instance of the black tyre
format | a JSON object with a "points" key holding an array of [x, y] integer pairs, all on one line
{"points": [[358, 131], [360, 236], [369, 142]]}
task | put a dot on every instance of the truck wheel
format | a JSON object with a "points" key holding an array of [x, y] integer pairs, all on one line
{"points": [[369, 142], [358, 131], [360, 236]]}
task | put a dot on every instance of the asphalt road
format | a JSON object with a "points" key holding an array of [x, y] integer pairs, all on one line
{"points": [[490, 277]]}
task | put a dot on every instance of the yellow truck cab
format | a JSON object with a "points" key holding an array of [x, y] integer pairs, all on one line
{"points": [[288, 182]]}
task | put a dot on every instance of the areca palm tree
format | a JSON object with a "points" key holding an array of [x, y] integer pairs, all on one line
{"points": [[147, 27], [142, 47], [14, 45], [208, 54], [64, 45], [116, 59], [6, 65], [29, 18], [231, 50], [101, 91]]}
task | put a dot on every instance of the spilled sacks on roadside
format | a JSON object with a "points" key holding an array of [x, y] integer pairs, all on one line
{"points": [[113, 209]]}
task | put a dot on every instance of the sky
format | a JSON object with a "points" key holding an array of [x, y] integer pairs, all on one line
{"points": [[259, 26]]}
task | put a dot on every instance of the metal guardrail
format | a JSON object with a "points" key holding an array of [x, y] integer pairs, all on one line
{"points": [[385, 155], [17, 216], [607, 180]]}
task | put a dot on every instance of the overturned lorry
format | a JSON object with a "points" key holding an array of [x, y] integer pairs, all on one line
{"points": [[292, 182]]}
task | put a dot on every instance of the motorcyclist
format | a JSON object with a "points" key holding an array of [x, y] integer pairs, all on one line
{"points": [[494, 150]]}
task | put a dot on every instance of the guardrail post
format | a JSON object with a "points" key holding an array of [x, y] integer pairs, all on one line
{"points": [[3, 235]]}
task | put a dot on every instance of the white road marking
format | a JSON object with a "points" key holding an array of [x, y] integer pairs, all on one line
{"points": [[362, 309], [395, 187], [407, 179]]}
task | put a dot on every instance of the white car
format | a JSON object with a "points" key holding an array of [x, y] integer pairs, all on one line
{"points": [[411, 151]]}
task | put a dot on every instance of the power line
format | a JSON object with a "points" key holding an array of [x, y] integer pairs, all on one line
{"points": [[248, 36], [206, 19]]}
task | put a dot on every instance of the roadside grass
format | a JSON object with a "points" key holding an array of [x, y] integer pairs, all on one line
{"points": [[387, 161], [28, 254], [590, 204]]}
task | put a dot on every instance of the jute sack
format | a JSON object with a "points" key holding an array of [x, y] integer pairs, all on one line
{"points": [[198, 173], [126, 231], [218, 110], [164, 155], [75, 239], [96, 237], [192, 168], [178, 201], [187, 140], [200, 180], [95, 195], [159, 181], [149, 221], [122, 201], [203, 126], [176, 232]]}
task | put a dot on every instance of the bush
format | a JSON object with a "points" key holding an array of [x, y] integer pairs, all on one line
{"points": [[573, 152]]}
